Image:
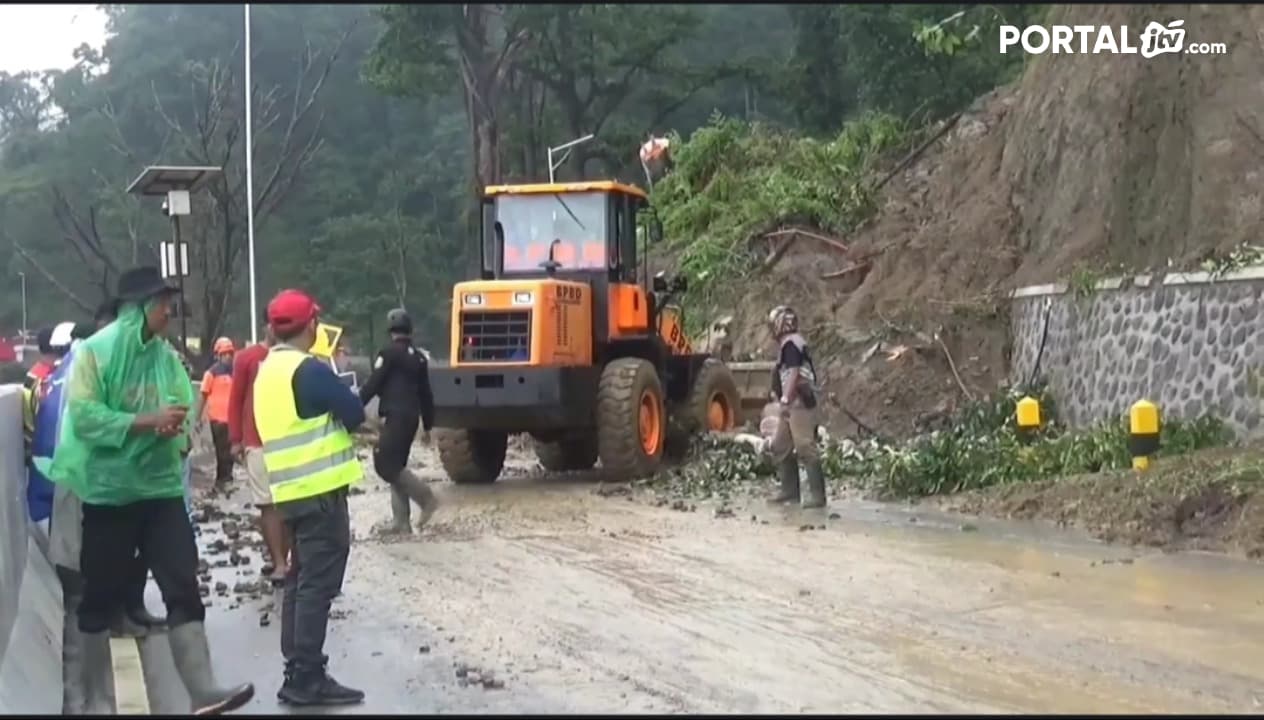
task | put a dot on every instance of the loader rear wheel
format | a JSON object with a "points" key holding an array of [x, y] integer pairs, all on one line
{"points": [[472, 457], [571, 453], [712, 405], [631, 418]]}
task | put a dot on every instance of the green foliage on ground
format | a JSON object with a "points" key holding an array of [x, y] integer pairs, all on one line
{"points": [[983, 447], [716, 470], [734, 181]]}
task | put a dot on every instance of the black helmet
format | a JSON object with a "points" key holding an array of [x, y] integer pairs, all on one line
{"points": [[398, 321]]}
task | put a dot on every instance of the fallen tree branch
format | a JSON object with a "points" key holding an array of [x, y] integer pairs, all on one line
{"points": [[806, 233], [904, 329], [778, 252], [849, 269], [953, 367], [949, 124]]}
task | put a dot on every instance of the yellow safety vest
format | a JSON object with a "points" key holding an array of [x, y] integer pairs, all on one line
{"points": [[304, 458]]}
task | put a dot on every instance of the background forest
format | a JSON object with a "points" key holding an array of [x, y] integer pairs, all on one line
{"points": [[373, 127]]}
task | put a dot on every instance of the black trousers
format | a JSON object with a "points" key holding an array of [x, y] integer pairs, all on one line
{"points": [[223, 451], [394, 443], [321, 530], [112, 535]]}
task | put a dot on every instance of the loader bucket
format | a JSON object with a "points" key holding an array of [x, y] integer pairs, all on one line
{"points": [[754, 383]]}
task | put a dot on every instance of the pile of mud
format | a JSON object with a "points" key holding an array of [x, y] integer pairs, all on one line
{"points": [[1211, 500], [1086, 161]]}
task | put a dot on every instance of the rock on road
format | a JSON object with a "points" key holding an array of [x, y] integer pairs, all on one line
{"points": [[542, 595]]}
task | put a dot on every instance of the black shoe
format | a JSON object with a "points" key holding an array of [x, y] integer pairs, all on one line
{"points": [[287, 682], [333, 692], [318, 690]]}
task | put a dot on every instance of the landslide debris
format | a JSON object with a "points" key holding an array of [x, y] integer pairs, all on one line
{"points": [[1085, 161]]}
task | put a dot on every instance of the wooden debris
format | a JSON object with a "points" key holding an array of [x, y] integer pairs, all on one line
{"points": [[849, 269], [949, 124], [953, 367], [793, 232]]}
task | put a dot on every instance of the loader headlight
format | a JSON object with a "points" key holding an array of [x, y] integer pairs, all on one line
{"points": [[472, 299], [523, 298]]}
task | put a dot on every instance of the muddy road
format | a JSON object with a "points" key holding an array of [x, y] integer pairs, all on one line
{"points": [[562, 595]]}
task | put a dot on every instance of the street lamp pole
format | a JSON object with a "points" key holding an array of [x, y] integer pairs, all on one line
{"points": [[22, 275], [180, 270], [175, 183], [250, 191]]}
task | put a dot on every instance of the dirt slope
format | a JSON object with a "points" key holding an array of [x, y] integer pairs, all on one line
{"points": [[1086, 160]]}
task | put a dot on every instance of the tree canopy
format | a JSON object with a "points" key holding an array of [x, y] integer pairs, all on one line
{"points": [[373, 128]]}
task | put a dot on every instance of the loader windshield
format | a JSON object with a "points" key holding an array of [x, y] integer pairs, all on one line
{"points": [[531, 223]]}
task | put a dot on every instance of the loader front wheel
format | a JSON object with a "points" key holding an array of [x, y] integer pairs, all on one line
{"points": [[572, 453], [631, 418], [472, 457]]}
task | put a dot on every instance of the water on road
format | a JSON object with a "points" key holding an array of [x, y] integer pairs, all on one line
{"points": [[556, 595]]}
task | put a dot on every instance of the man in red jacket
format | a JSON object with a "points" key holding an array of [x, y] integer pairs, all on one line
{"points": [[244, 436]]}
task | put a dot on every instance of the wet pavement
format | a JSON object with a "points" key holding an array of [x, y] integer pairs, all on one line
{"points": [[562, 595]]}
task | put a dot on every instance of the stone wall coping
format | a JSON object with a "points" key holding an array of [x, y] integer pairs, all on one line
{"points": [[1255, 272]]}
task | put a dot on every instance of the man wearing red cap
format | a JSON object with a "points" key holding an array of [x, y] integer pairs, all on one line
{"points": [[304, 416]]}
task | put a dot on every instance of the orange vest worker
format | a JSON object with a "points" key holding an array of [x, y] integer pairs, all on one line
{"points": [[217, 383]]}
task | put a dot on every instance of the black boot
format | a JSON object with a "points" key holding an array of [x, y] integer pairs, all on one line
{"points": [[316, 687], [788, 475]]}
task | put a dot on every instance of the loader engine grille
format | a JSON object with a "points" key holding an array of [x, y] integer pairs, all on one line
{"points": [[496, 336]]}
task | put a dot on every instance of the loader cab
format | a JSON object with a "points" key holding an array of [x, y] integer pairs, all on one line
{"points": [[573, 231]]}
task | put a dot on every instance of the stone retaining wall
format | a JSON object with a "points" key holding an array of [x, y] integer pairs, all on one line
{"points": [[1188, 342]]}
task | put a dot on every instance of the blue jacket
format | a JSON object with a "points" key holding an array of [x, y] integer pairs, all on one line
{"points": [[39, 489]]}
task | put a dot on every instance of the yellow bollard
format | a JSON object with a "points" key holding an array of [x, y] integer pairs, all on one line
{"points": [[1143, 433], [1027, 418], [1027, 413]]}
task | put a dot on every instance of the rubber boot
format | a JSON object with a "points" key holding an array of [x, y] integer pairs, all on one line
{"points": [[815, 497], [418, 491], [193, 661], [788, 475], [72, 668], [97, 675], [400, 511]]}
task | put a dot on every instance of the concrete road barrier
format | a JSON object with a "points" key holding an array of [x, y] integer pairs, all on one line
{"points": [[30, 595]]}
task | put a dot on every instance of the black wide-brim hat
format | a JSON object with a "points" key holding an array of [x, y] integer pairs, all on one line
{"points": [[143, 283]]}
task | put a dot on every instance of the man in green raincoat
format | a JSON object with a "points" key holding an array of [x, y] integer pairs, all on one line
{"points": [[120, 452]]}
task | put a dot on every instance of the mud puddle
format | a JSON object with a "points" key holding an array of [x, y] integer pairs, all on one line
{"points": [[563, 594], [591, 599]]}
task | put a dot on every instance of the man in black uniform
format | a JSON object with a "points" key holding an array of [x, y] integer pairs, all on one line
{"points": [[401, 382]]}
